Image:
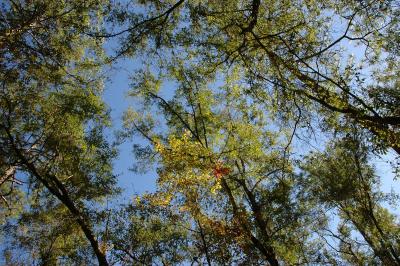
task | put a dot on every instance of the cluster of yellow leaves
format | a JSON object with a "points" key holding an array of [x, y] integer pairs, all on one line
{"points": [[187, 168]]}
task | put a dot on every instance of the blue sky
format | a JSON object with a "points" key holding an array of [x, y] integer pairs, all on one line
{"points": [[115, 96]]}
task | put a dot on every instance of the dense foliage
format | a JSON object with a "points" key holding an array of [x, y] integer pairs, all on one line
{"points": [[263, 120]]}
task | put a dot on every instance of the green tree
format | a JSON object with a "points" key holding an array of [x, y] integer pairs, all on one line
{"points": [[288, 65], [290, 50], [223, 167], [52, 117], [341, 178], [157, 236], [231, 97]]}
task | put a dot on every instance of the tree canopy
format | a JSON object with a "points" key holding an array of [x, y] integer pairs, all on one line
{"points": [[263, 121]]}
